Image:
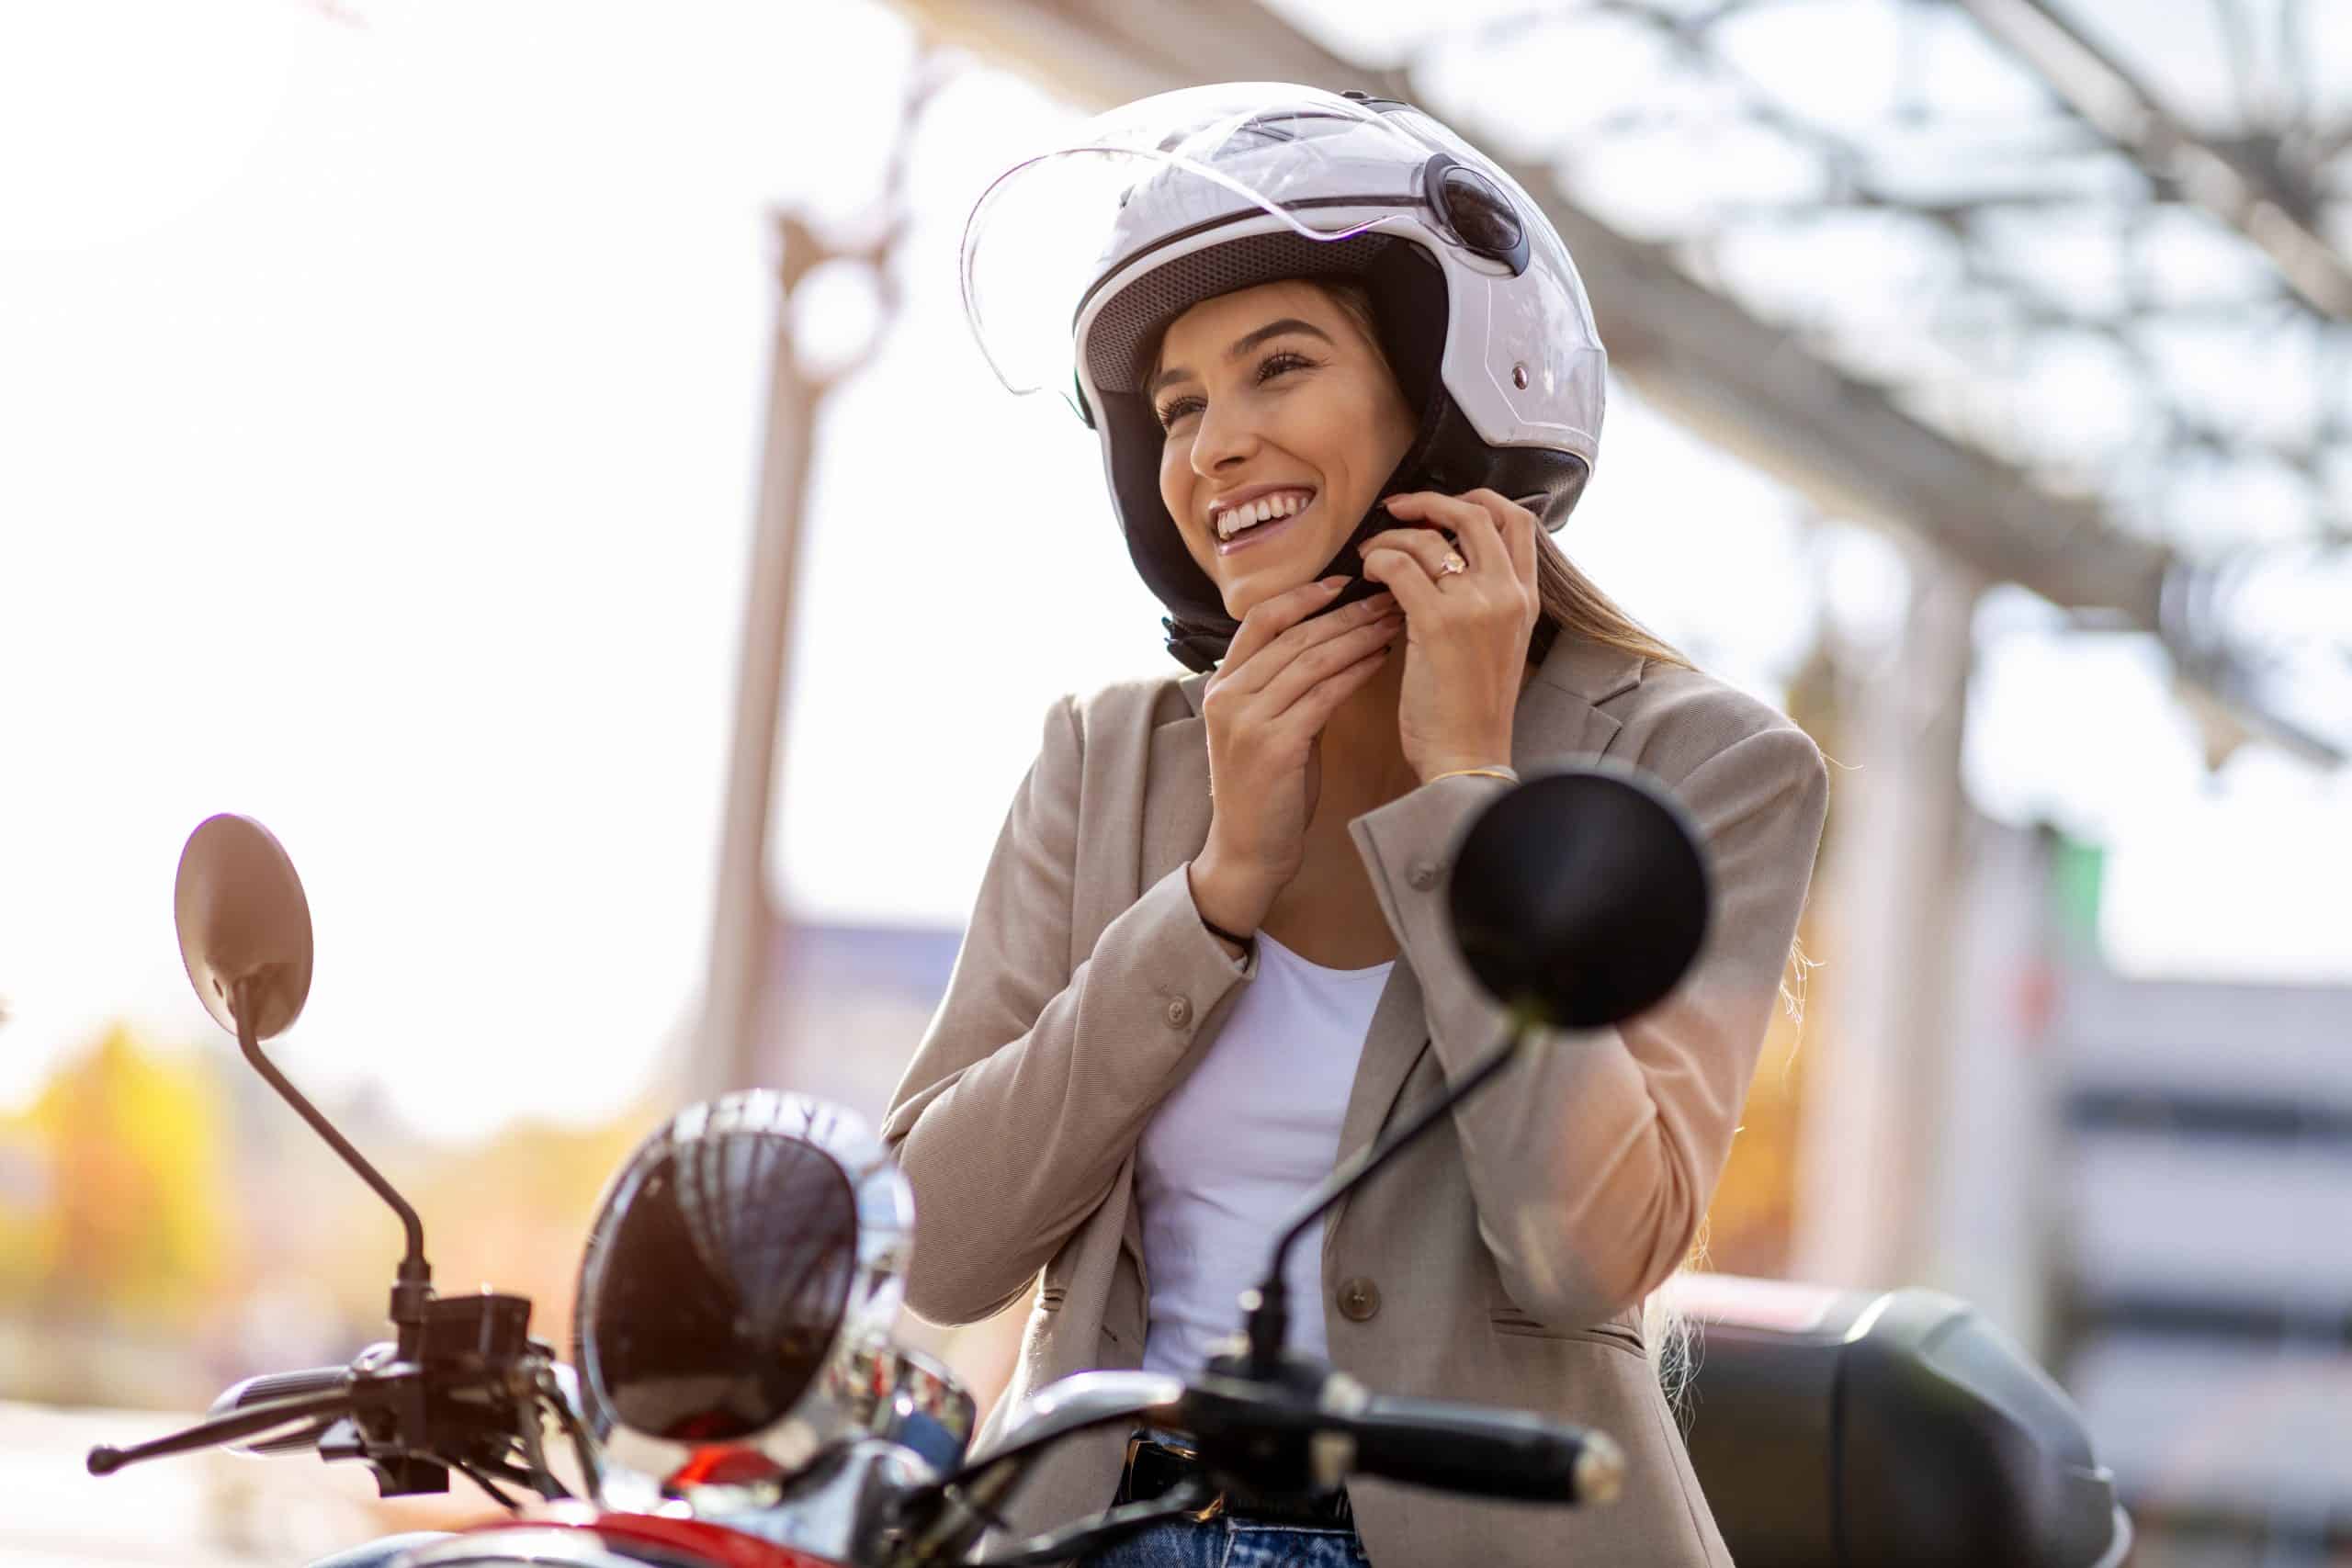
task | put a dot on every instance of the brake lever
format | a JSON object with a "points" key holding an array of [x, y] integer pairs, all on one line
{"points": [[106, 1459]]}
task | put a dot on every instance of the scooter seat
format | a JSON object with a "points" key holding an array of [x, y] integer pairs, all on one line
{"points": [[1865, 1429]]}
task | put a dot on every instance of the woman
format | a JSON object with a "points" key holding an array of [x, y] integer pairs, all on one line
{"points": [[1346, 382]]}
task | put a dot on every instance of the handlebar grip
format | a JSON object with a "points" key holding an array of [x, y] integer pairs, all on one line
{"points": [[268, 1386], [1478, 1449]]}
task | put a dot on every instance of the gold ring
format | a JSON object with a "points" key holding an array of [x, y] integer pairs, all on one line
{"points": [[1453, 565]]}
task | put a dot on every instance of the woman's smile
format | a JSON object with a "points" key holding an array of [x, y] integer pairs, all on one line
{"points": [[1239, 527]]}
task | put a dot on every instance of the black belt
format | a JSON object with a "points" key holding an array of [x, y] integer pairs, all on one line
{"points": [[1154, 1468]]}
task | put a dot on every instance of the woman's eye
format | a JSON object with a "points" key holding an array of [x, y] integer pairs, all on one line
{"points": [[1273, 365]]}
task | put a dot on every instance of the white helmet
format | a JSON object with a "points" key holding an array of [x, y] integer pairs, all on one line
{"points": [[1213, 189]]}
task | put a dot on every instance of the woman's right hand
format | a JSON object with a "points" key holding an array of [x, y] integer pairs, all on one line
{"points": [[1265, 708]]}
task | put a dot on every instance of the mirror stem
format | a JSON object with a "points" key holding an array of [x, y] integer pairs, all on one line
{"points": [[1268, 1306], [415, 1274]]}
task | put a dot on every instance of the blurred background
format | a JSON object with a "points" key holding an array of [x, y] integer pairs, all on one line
{"points": [[530, 457]]}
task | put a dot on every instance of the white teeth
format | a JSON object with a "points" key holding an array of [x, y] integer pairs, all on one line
{"points": [[1233, 519]]}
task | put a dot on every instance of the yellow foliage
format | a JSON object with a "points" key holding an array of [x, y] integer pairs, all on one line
{"points": [[111, 1189]]}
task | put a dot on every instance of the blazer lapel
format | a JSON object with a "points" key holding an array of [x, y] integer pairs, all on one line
{"points": [[1176, 827], [1555, 722]]}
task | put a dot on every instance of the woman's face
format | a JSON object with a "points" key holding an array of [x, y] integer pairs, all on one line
{"points": [[1275, 404]]}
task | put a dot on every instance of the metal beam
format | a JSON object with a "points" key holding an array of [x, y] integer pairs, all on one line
{"points": [[2244, 185], [1745, 384]]}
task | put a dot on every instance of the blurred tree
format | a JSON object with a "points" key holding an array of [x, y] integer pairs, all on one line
{"points": [[111, 1189]]}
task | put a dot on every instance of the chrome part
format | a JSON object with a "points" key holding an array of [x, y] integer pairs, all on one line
{"points": [[910, 1399], [1342, 1395], [1083, 1400], [842, 1508], [1599, 1470], [839, 1404], [524, 1543], [1329, 1457], [2118, 1550]]}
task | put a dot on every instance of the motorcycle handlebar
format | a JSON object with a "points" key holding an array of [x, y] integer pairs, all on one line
{"points": [[1487, 1452], [270, 1387]]}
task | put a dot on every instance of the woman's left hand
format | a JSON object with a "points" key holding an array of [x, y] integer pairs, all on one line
{"points": [[1465, 632]]}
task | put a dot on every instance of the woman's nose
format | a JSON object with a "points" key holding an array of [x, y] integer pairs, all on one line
{"points": [[1220, 444]]}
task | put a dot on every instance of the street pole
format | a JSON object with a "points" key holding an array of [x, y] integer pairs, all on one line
{"points": [[732, 1048]]}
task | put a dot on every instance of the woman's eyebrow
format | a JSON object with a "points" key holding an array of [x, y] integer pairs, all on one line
{"points": [[1241, 346]]}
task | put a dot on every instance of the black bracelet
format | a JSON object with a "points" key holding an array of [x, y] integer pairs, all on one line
{"points": [[1215, 930]]}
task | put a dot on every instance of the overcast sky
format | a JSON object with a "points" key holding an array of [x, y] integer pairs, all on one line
{"points": [[380, 401]]}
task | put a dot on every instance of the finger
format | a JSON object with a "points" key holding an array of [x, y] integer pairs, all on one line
{"points": [[1404, 576], [1423, 545], [1459, 514], [1517, 524], [1316, 706], [1482, 541], [1293, 642], [1320, 663], [1269, 618]]}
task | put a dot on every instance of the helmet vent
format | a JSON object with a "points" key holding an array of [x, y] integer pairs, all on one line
{"points": [[1480, 216]]}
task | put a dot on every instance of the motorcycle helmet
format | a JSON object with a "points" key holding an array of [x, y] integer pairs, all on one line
{"points": [[1075, 261]]}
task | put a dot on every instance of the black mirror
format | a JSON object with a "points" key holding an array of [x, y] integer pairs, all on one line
{"points": [[244, 920], [1580, 897]]}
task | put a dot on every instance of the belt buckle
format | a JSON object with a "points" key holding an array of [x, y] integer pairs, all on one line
{"points": [[1136, 1442]]}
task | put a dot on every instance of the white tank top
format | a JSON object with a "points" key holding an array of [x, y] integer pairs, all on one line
{"points": [[1238, 1146]]}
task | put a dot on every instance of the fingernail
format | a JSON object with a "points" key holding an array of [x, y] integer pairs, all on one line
{"points": [[1330, 583]]}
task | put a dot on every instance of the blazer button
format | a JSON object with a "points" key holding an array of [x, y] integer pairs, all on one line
{"points": [[1179, 1013], [1424, 874], [1359, 1300]]}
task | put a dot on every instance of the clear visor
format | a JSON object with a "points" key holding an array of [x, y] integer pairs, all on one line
{"points": [[1161, 177]]}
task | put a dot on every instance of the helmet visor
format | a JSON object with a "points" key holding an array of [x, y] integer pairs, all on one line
{"points": [[1159, 178]]}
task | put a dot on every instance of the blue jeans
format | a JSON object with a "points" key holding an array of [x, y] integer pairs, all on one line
{"points": [[1223, 1543]]}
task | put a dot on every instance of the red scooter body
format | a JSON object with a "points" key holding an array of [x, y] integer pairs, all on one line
{"points": [[682, 1542]]}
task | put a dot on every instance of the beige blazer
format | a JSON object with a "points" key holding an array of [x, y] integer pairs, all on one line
{"points": [[1504, 1258]]}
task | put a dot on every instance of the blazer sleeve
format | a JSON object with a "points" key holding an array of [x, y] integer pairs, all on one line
{"points": [[1592, 1169], [1036, 1076]]}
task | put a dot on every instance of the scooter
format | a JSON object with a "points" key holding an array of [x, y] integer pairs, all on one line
{"points": [[788, 1429]]}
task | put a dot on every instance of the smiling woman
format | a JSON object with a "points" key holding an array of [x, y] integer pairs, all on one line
{"points": [[1347, 384], [1284, 369]]}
